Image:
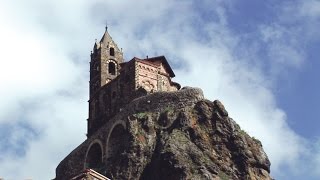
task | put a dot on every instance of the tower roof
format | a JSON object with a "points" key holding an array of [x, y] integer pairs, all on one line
{"points": [[107, 39], [106, 36]]}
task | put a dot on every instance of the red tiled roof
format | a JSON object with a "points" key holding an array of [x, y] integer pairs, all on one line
{"points": [[163, 60], [151, 61]]}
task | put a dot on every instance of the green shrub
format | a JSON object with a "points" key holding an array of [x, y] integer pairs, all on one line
{"points": [[140, 115]]}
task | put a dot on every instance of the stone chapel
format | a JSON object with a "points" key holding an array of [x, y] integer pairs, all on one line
{"points": [[114, 83], [141, 125]]}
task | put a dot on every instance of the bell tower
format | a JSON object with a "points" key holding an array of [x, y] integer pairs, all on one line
{"points": [[105, 62], [104, 67]]}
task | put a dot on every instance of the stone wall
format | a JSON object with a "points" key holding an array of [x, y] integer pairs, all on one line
{"points": [[153, 77], [170, 135], [133, 76], [75, 162]]}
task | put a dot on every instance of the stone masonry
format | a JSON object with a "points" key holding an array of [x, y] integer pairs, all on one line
{"points": [[141, 125], [114, 83]]}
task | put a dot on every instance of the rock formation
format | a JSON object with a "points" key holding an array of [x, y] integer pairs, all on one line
{"points": [[172, 135]]}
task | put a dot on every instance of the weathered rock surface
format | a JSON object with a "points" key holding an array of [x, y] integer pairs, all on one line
{"points": [[176, 135]]}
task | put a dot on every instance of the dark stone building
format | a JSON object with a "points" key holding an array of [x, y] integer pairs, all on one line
{"points": [[143, 126], [114, 83]]}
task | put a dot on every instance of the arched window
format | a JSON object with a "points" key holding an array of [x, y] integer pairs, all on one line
{"points": [[112, 51], [112, 68]]}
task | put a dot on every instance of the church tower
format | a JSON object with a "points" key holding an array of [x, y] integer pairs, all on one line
{"points": [[104, 67], [115, 89], [105, 60]]}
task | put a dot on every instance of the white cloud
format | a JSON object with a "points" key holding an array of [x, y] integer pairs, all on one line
{"points": [[289, 32], [316, 158], [283, 45], [242, 89], [302, 16], [61, 125], [310, 8], [44, 69]]}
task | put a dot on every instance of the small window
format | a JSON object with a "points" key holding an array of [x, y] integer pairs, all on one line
{"points": [[112, 68], [111, 51]]}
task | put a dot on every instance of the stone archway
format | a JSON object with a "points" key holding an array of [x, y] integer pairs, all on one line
{"points": [[94, 157], [117, 141]]}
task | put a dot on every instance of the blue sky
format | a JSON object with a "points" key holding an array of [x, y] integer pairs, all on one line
{"points": [[260, 58]]}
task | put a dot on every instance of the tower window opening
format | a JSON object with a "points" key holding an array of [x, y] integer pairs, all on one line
{"points": [[111, 51], [112, 68]]}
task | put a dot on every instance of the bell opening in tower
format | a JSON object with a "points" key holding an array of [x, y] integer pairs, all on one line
{"points": [[112, 68]]}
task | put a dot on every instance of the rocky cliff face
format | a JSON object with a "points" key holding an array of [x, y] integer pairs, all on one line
{"points": [[188, 138]]}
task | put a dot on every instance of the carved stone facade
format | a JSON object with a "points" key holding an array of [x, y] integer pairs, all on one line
{"points": [[114, 83]]}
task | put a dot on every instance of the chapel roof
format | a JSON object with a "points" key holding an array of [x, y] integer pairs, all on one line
{"points": [[153, 60]]}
